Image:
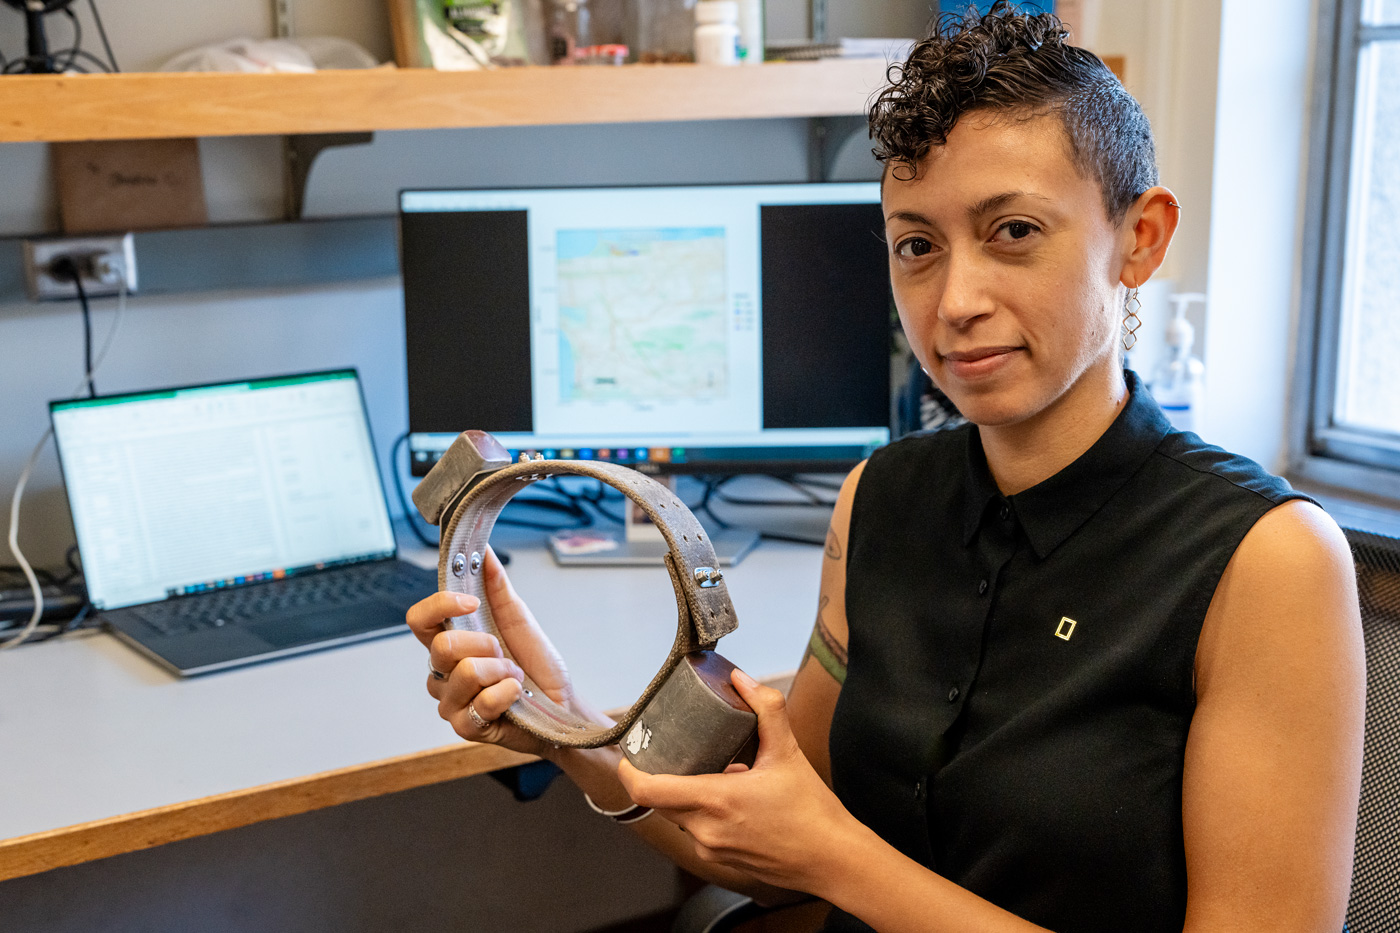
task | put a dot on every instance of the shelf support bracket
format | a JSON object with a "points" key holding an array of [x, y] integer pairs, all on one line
{"points": [[825, 137], [816, 15], [300, 154]]}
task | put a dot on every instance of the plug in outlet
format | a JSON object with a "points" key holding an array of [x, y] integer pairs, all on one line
{"points": [[101, 261]]}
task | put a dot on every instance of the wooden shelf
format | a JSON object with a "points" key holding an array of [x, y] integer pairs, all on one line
{"points": [[57, 108]]}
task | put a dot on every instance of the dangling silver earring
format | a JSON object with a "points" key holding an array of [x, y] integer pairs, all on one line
{"points": [[1131, 321]]}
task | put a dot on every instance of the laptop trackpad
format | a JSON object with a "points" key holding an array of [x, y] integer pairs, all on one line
{"points": [[324, 624]]}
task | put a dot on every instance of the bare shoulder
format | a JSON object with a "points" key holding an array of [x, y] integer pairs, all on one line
{"points": [[1273, 758], [1290, 587]]}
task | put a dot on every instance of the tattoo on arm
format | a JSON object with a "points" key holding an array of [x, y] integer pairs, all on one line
{"points": [[823, 646], [833, 546]]}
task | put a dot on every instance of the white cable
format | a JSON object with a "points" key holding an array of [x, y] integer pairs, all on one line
{"points": [[13, 539]]}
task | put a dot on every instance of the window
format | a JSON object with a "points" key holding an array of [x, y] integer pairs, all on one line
{"points": [[1350, 351]]}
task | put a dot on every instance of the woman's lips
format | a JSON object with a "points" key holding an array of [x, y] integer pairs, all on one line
{"points": [[981, 361]]}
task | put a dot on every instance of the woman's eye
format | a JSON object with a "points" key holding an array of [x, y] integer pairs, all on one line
{"points": [[1015, 230], [914, 246]]}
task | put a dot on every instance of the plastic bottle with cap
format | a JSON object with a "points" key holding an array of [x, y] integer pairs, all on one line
{"points": [[1178, 385], [751, 21], [717, 32]]}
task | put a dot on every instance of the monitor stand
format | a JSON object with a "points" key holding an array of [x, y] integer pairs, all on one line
{"points": [[639, 542]]}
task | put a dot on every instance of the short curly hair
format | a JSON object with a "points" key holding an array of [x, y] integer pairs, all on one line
{"points": [[1015, 63]]}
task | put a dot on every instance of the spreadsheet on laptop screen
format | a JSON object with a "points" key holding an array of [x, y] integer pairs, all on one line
{"points": [[199, 488]]}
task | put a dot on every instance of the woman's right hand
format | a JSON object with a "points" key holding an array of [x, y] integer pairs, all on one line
{"points": [[479, 676]]}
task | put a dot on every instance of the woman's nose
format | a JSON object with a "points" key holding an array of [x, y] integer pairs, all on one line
{"points": [[964, 297]]}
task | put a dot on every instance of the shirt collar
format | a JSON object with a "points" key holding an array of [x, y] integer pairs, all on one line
{"points": [[1054, 509]]}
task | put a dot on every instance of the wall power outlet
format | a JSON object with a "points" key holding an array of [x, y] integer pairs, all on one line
{"points": [[102, 261]]}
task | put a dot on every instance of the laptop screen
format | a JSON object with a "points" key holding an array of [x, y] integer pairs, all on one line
{"points": [[186, 490]]}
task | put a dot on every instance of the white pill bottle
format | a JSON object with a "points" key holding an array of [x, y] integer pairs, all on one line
{"points": [[717, 32]]}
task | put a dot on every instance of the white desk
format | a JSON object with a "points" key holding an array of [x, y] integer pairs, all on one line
{"points": [[102, 752]]}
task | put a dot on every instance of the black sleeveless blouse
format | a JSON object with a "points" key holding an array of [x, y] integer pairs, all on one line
{"points": [[1020, 680]]}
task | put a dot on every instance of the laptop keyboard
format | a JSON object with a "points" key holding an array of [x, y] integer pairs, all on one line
{"points": [[347, 586]]}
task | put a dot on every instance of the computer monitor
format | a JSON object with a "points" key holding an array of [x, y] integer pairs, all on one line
{"points": [[687, 329]]}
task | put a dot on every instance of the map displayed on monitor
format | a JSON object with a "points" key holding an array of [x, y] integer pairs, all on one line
{"points": [[642, 315], [704, 328]]}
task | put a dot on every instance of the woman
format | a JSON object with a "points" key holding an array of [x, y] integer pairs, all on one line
{"points": [[1072, 670]]}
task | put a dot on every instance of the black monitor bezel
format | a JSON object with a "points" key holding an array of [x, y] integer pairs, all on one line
{"points": [[775, 466]]}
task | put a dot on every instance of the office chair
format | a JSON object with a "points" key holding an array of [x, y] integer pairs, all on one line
{"points": [[713, 909], [1374, 906], [1375, 876]]}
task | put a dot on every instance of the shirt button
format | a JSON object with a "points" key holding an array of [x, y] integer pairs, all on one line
{"points": [[1005, 512], [919, 790], [953, 695], [982, 587]]}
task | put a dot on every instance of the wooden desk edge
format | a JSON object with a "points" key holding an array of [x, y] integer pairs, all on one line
{"points": [[145, 829]]}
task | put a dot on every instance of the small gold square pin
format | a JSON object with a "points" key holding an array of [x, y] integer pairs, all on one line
{"points": [[1066, 628]]}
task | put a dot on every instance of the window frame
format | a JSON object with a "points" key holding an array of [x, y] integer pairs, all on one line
{"points": [[1321, 450]]}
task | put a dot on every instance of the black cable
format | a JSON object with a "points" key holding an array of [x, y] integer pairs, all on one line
{"points": [[78, 620], [711, 486], [596, 501], [17, 577], [834, 484], [403, 499], [79, 53], [87, 333], [809, 503], [794, 539], [610, 516], [102, 32], [77, 43], [72, 558], [64, 269]]}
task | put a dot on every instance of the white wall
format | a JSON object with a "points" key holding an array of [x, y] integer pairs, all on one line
{"points": [[1171, 49], [1266, 69]]}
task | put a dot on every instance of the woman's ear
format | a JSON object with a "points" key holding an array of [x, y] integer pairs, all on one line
{"points": [[1148, 228]]}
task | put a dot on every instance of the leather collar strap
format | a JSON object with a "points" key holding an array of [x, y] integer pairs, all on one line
{"points": [[703, 611]]}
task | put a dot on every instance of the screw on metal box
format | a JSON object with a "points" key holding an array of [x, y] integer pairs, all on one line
{"points": [[459, 563]]}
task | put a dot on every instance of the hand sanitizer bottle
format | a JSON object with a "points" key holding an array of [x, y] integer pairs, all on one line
{"points": [[1178, 385]]}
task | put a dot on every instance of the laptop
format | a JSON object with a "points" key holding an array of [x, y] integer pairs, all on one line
{"points": [[225, 524]]}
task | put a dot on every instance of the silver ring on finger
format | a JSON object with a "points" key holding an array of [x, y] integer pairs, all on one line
{"points": [[476, 717], [437, 674]]}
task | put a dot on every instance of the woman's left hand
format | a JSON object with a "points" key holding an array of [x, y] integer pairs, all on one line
{"points": [[775, 821]]}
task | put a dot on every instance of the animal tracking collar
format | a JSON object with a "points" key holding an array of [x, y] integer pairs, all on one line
{"points": [[689, 719]]}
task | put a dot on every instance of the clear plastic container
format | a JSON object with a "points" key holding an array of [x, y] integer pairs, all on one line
{"points": [[662, 30], [1178, 384], [568, 30]]}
